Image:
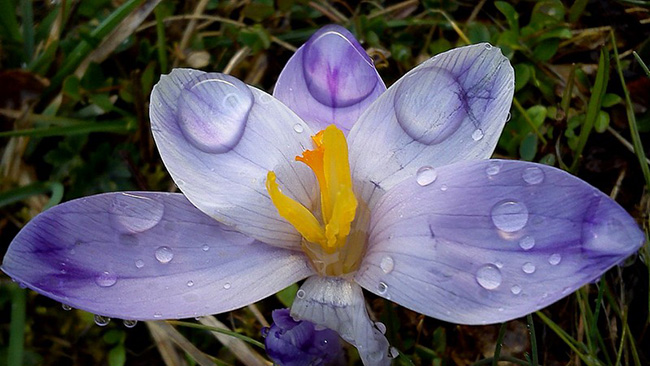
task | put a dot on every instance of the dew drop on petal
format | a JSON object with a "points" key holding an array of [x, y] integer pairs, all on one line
{"points": [[106, 279], [393, 352], [477, 134], [205, 248], [488, 46], [527, 243], [533, 175], [226, 286], [139, 263], [381, 327], [509, 216], [157, 315], [508, 117], [515, 289], [131, 213], [489, 277], [300, 294], [382, 288], [426, 175], [444, 187], [190, 283], [387, 264], [66, 307], [164, 254], [102, 321], [554, 259], [298, 128], [130, 323], [528, 268], [493, 168]]}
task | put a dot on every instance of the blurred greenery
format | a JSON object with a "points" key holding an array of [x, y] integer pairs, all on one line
{"points": [[75, 81]]}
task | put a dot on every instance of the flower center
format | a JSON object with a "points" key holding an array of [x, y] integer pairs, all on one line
{"points": [[335, 242]]}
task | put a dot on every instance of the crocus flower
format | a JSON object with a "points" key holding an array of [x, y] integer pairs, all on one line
{"points": [[298, 343], [392, 192]]}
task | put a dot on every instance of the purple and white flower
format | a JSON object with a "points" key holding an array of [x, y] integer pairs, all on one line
{"points": [[400, 198]]}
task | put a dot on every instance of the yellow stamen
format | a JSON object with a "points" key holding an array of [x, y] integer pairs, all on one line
{"points": [[329, 161]]}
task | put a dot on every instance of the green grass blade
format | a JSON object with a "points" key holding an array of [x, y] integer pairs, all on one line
{"points": [[572, 343], [9, 23], [28, 29], [631, 118], [497, 349], [17, 327], [533, 339], [24, 192], [643, 65], [218, 330], [119, 126], [160, 41], [600, 86]]}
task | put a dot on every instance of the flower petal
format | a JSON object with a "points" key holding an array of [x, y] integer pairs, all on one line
{"points": [[338, 304], [142, 255], [330, 79], [488, 241], [219, 138], [450, 108]]}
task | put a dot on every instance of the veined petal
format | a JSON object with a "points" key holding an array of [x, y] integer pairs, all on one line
{"points": [[338, 304], [218, 138], [488, 241], [450, 108], [143, 255], [330, 79]]}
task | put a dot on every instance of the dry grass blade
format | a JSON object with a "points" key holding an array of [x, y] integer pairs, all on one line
{"points": [[239, 348]]}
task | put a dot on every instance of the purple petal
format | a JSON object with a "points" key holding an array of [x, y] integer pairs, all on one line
{"points": [[448, 109], [219, 138], [330, 79], [488, 241], [296, 343], [143, 255], [337, 303]]}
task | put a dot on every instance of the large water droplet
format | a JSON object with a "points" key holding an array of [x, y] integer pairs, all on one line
{"points": [[528, 268], [164, 254], [426, 175], [515, 289], [477, 134], [387, 264], [489, 277], [130, 323], [213, 111], [102, 321], [131, 213], [227, 285], [106, 279], [190, 283], [509, 216], [554, 259], [527, 243], [298, 128], [300, 294], [493, 168], [533, 175], [382, 288]]}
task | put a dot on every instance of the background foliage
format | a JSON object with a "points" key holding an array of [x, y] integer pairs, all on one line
{"points": [[75, 79]]}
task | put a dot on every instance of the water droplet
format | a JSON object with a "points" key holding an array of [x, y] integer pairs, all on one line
{"points": [[444, 187], [508, 117], [426, 175], [106, 279], [139, 263], [164, 254], [554, 259], [298, 128], [66, 307], [226, 285], [477, 134], [387, 264], [190, 283], [157, 315], [515, 289], [382, 288], [528, 268], [300, 294], [205, 247], [498, 264], [509, 216], [393, 352], [488, 46], [488, 276], [381, 327], [102, 321], [130, 323], [533, 175], [527, 243], [131, 213], [493, 168], [212, 112]]}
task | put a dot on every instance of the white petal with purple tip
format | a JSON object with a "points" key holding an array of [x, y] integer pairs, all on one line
{"points": [[103, 254], [450, 108], [493, 240], [219, 138]]}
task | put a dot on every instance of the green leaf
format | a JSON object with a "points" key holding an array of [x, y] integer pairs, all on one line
{"points": [[546, 49], [537, 114], [547, 13], [528, 147], [610, 100], [477, 32], [510, 13], [439, 46], [602, 122], [117, 356], [548, 159], [71, 88], [522, 75], [287, 295]]}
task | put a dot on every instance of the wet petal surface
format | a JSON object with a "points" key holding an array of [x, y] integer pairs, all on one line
{"points": [[492, 240], [143, 255]]}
